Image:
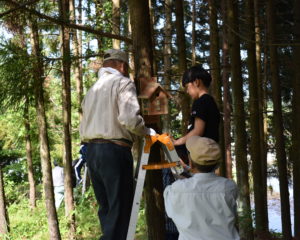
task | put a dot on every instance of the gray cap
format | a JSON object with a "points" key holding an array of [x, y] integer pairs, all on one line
{"points": [[115, 54]]}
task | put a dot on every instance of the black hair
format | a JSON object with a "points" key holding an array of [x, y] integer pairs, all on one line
{"points": [[206, 168], [196, 72]]}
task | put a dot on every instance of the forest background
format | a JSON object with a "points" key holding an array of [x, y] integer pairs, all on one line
{"points": [[49, 53]]}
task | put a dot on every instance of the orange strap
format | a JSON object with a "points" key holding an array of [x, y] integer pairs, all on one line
{"points": [[166, 140], [161, 165], [150, 140]]}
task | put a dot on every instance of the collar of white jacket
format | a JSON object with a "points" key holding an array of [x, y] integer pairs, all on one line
{"points": [[108, 70]]}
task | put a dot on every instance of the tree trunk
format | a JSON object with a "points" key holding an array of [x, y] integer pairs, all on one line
{"points": [[182, 65], [77, 46], [66, 114], [32, 198], [116, 22], [262, 118], [152, 22], [245, 226], [278, 125], [4, 221], [216, 74], [261, 219], [142, 45], [296, 125], [194, 19], [43, 135], [130, 47], [226, 94], [167, 59]]}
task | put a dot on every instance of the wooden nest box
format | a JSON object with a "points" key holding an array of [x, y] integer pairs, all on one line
{"points": [[153, 97]]}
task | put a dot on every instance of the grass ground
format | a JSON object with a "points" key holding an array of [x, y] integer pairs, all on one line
{"points": [[27, 224]]}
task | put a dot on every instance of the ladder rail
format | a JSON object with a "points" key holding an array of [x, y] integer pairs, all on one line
{"points": [[137, 195], [171, 156]]}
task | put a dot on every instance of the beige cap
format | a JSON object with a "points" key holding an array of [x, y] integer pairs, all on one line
{"points": [[115, 54], [203, 151]]}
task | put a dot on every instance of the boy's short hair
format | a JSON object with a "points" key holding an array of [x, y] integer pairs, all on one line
{"points": [[203, 151], [196, 72]]}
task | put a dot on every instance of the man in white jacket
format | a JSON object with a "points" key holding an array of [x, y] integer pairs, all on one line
{"points": [[111, 121], [203, 207]]}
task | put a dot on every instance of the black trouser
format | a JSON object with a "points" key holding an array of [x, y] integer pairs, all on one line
{"points": [[111, 171]]}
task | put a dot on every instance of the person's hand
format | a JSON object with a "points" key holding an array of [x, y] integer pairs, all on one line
{"points": [[150, 131], [185, 166]]}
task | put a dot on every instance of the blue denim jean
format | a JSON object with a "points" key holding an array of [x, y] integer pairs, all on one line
{"points": [[111, 171]]}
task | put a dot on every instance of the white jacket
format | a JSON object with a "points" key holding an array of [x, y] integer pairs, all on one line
{"points": [[111, 109], [203, 207]]}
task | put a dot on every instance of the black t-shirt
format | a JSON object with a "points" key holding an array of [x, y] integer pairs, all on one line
{"points": [[206, 109]]}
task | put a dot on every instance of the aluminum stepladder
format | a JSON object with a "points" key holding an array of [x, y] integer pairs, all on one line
{"points": [[173, 163]]}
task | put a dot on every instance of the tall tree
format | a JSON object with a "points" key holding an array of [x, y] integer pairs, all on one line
{"points": [[296, 120], [64, 6], [77, 48], [167, 57], [278, 123], [226, 92], [142, 46], [261, 217], [43, 132], [262, 117], [27, 125], [32, 197], [216, 71], [246, 229], [182, 64]]}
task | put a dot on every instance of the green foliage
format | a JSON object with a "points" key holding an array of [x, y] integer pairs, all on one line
{"points": [[15, 74], [34, 225]]}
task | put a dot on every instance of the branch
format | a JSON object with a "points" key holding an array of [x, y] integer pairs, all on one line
{"points": [[73, 57], [71, 25], [15, 9]]}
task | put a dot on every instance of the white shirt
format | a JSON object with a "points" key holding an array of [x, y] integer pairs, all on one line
{"points": [[58, 176], [111, 109], [203, 207]]}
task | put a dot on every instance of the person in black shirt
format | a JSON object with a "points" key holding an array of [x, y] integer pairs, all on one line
{"points": [[205, 115], [204, 122]]}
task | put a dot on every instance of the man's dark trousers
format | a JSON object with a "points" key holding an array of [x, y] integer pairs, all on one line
{"points": [[111, 171]]}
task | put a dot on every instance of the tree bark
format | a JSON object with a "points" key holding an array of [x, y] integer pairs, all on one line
{"points": [[245, 226], [261, 219], [182, 65], [66, 114], [77, 47], [32, 197], [142, 45], [226, 94], [194, 19], [216, 74], [167, 59], [296, 121], [116, 22], [152, 23], [4, 220], [262, 117], [278, 124], [43, 135]]}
